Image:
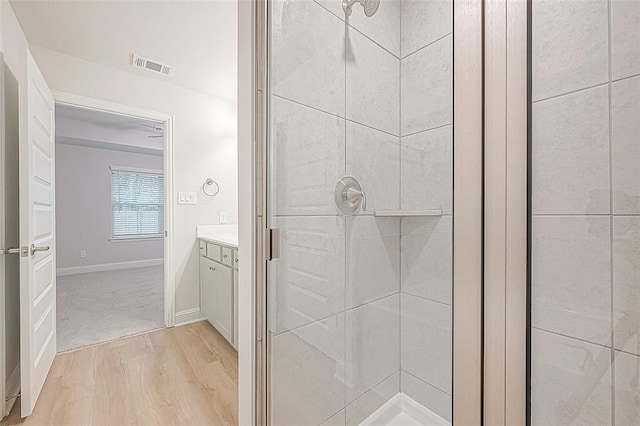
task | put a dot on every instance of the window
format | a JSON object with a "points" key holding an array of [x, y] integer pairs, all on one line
{"points": [[137, 203]]}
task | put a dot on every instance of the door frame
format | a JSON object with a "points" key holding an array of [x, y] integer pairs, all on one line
{"points": [[70, 99]]}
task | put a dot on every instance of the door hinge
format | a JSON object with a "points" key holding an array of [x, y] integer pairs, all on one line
{"points": [[272, 243]]}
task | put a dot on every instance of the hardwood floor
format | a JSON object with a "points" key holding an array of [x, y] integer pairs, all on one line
{"points": [[183, 375]]}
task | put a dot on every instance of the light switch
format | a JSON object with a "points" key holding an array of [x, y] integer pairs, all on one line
{"points": [[187, 198], [223, 217]]}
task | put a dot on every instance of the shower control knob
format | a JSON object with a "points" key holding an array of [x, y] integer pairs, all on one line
{"points": [[349, 196]]}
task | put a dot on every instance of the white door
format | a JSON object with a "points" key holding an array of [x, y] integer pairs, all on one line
{"points": [[37, 232]]}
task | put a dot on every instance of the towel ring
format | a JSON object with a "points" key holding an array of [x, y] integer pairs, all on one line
{"points": [[208, 192]]}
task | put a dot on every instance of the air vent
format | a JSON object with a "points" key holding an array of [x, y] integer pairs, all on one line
{"points": [[149, 65]]}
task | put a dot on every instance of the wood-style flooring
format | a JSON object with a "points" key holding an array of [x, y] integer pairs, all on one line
{"points": [[176, 376]]}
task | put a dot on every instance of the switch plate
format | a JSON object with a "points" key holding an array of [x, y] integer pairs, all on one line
{"points": [[223, 217], [187, 198], [83, 253]]}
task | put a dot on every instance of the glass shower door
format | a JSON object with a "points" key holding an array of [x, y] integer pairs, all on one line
{"points": [[360, 185]]}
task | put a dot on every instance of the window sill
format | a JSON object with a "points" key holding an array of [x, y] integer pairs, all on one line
{"points": [[134, 239]]}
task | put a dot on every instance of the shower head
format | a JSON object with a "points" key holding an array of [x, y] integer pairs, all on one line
{"points": [[370, 6]]}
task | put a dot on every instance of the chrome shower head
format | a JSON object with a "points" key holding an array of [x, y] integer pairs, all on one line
{"points": [[370, 6]]}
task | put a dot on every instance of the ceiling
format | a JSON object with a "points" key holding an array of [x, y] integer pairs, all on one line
{"points": [[99, 129], [198, 38]]}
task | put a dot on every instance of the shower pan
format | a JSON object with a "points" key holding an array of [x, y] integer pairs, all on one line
{"points": [[358, 119]]}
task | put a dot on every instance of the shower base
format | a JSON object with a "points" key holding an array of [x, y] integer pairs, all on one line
{"points": [[404, 411]]}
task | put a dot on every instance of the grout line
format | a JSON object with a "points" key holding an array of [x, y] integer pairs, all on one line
{"points": [[345, 21], [430, 384], [347, 254], [611, 291], [427, 45], [428, 299], [571, 92], [625, 78], [332, 114], [427, 130], [400, 205], [373, 387], [571, 337], [622, 351]]}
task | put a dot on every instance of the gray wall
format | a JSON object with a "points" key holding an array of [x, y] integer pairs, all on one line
{"points": [[586, 213], [83, 207]]}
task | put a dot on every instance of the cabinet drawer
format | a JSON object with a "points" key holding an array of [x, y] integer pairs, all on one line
{"points": [[227, 256], [235, 259], [214, 252]]}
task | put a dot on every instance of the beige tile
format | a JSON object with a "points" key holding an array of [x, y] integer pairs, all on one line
{"points": [[423, 22], [427, 341], [570, 381], [570, 46], [364, 406], [625, 133], [373, 264], [570, 276], [428, 396], [427, 170], [570, 154], [307, 55], [383, 27], [627, 391], [373, 84], [626, 283], [625, 38], [427, 88]]}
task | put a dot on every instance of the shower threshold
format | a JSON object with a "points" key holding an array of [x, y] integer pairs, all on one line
{"points": [[404, 411]]}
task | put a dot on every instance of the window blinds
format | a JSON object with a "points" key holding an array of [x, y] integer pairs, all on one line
{"points": [[137, 203]]}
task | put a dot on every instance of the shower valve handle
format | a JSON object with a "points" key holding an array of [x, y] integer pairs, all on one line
{"points": [[355, 196]]}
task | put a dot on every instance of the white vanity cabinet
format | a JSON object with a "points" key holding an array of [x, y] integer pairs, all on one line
{"points": [[218, 288]]}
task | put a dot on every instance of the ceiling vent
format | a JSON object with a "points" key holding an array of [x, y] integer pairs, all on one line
{"points": [[149, 65]]}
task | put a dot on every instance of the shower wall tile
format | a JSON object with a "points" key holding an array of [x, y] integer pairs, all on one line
{"points": [[369, 153], [310, 147], [427, 88], [424, 22], [427, 170], [571, 285], [428, 396], [570, 156], [373, 258], [571, 381], [570, 46], [373, 344], [625, 38], [625, 135], [373, 84], [308, 55], [336, 420], [308, 373], [426, 340], [626, 283], [627, 391], [383, 27], [375, 398], [309, 276], [426, 257]]}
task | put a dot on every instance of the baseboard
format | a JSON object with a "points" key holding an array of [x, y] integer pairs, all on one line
{"points": [[13, 388], [109, 267], [189, 316]]}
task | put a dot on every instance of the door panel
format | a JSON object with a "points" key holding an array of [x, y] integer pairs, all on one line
{"points": [[37, 227]]}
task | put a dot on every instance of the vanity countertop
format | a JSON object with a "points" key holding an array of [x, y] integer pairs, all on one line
{"points": [[220, 234]]}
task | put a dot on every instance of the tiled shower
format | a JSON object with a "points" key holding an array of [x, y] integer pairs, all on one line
{"points": [[361, 306], [585, 277]]}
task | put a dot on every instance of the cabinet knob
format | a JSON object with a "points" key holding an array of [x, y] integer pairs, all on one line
{"points": [[225, 256], [211, 268]]}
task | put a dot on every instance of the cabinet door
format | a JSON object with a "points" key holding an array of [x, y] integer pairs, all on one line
{"points": [[223, 316], [207, 288], [235, 308]]}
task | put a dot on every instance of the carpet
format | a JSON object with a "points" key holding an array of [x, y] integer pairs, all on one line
{"points": [[102, 306]]}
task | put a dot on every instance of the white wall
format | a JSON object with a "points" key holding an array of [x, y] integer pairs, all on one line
{"points": [[204, 146], [83, 207]]}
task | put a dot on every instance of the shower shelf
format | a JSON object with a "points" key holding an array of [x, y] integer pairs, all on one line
{"points": [[407, 213]]}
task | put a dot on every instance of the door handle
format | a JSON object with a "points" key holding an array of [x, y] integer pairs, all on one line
{"points": [[35, 249]]}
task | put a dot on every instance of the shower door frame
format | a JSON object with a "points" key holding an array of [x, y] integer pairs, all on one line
{"points": [[468, 202]]}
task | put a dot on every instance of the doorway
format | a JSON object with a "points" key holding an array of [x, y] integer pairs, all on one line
{"points": [[112, 221]]}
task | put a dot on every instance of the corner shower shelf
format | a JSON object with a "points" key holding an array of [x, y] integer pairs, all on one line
{"points": [[407, 213]]}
